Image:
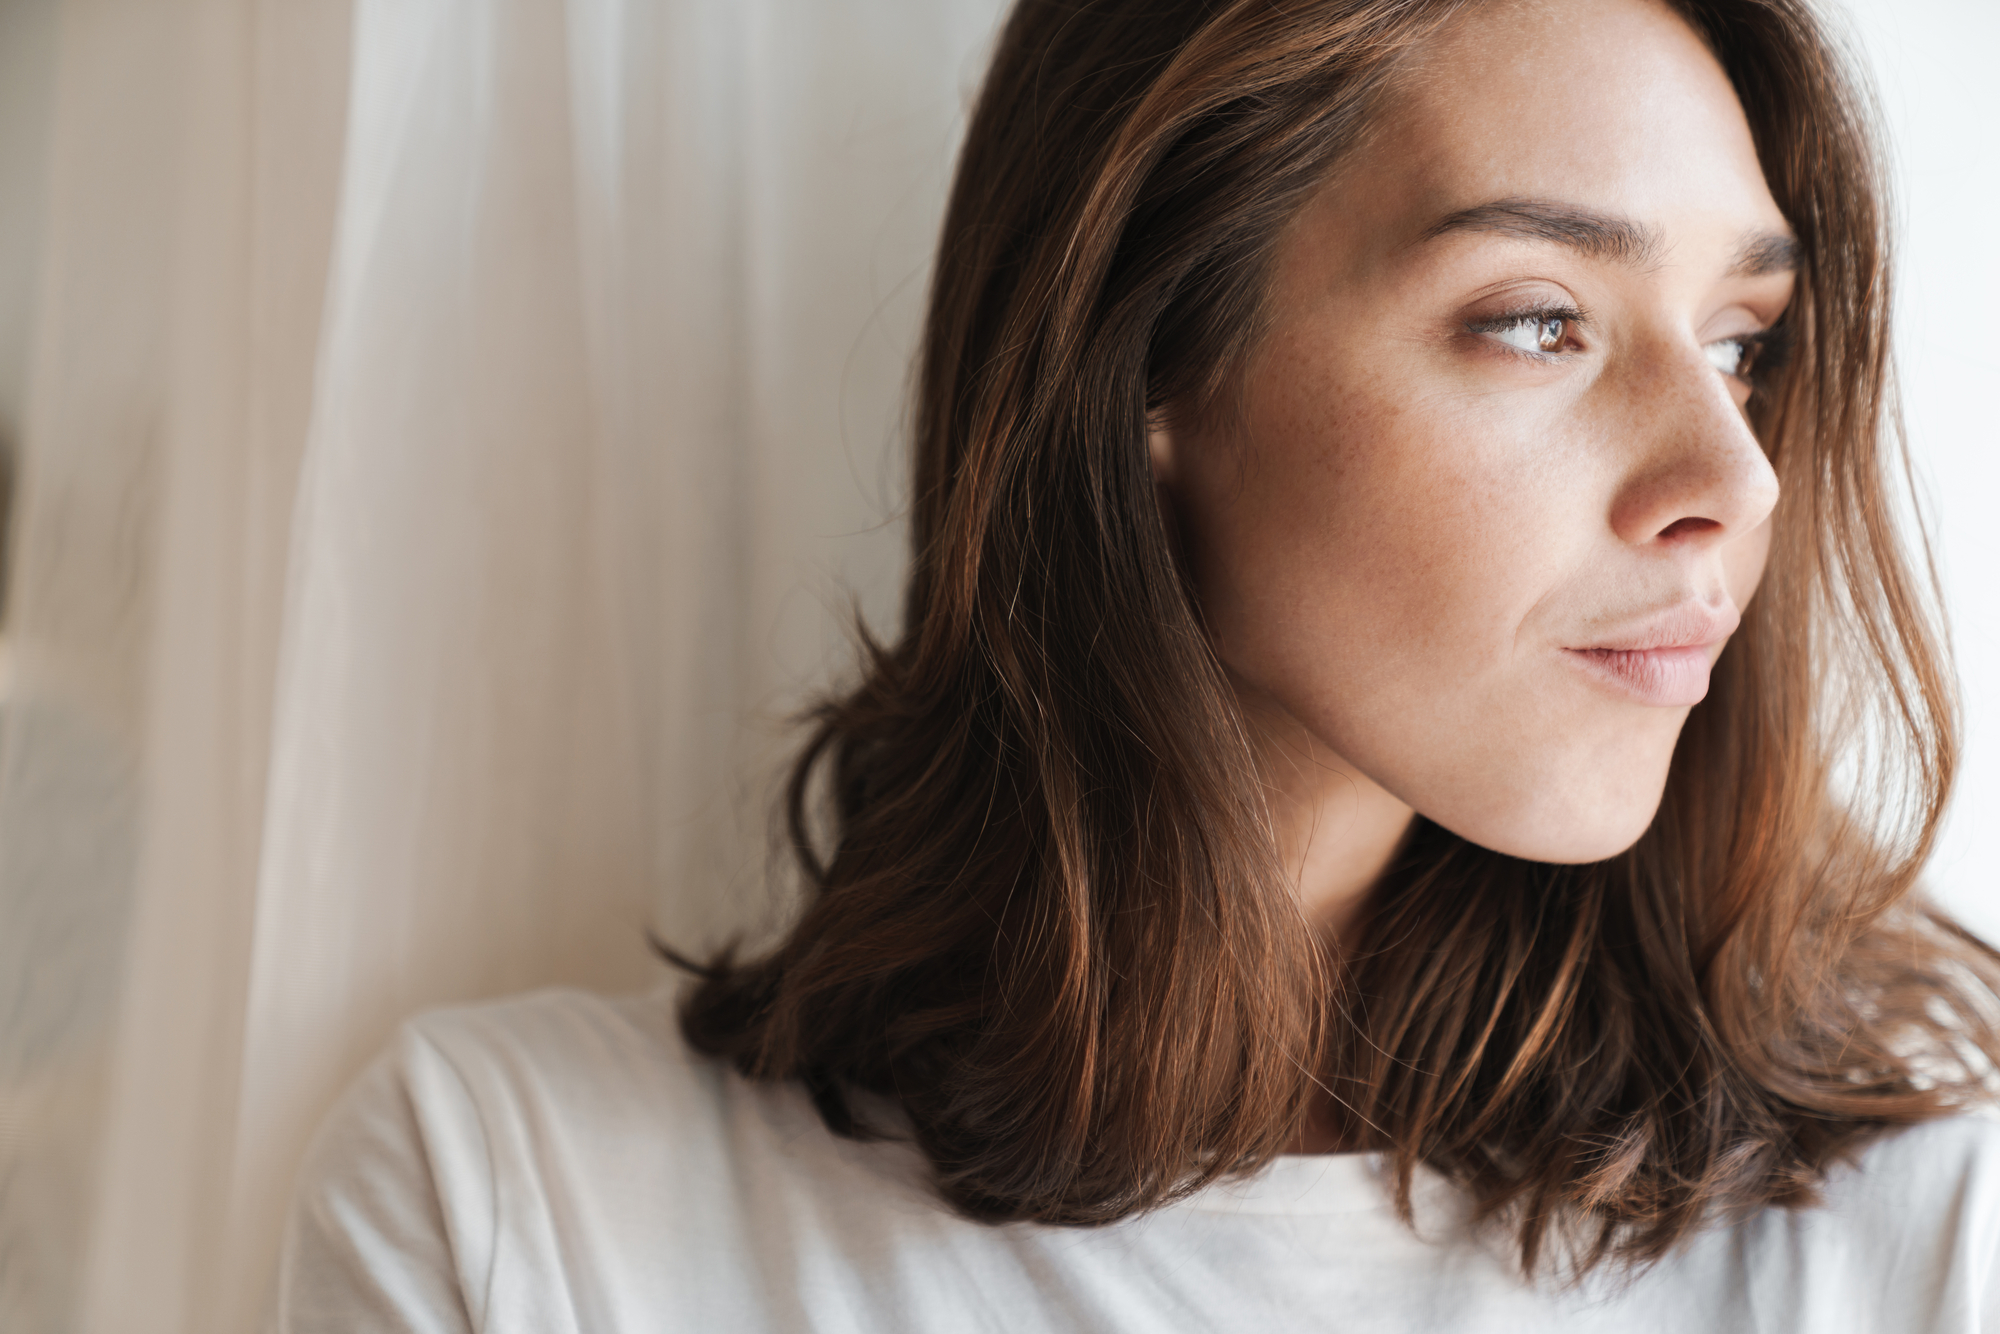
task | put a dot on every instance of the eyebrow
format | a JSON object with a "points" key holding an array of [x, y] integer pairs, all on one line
{"points": [[1604, 236], [1766, 252], [1596, 235]]}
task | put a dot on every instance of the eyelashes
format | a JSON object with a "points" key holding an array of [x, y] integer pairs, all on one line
{"points": [[1764, 354], [1537, 331], [1545, 332]]}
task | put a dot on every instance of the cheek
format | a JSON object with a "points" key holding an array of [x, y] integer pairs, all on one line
{"points": [[1387, 563], [1368, 541]]}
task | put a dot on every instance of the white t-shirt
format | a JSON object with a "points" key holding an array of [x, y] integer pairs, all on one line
{"points": [[562, 1162]]}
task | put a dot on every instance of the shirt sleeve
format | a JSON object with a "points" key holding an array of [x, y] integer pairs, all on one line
{"points": [[367, 1245]]}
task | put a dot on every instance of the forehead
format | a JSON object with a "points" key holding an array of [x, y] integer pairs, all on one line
{"points": [[1612, 105]]}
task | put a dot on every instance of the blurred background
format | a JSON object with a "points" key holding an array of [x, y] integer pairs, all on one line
{"points": [[441, 442]]}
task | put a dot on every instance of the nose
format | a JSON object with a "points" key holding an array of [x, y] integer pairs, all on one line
{"points": [[1697, 477]]}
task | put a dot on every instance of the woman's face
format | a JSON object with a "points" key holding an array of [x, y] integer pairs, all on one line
{"points": [[1486, 506]]}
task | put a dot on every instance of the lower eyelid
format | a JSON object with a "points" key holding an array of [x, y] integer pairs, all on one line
{"points": [[1537, 357]]}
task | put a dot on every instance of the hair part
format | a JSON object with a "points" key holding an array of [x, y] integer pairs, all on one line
{"points": [[1049, 919]]}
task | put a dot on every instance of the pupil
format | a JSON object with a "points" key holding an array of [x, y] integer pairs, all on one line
{"points": [[1551, 335]]}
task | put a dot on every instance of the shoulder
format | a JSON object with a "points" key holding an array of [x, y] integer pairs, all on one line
{"points": [[558, 1050], [1946, 1167], [1906, 1237], [509, 1079], [427, 1195], [570, 1092]]}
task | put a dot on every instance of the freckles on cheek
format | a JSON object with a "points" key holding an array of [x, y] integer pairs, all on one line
{"points": [[1370, 519], [1335, 435], [1377, 499], [1401, 468]]}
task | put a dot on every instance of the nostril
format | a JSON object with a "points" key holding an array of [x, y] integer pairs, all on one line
{"points": [[1687, 527]]}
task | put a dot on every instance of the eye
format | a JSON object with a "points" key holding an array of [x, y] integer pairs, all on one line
{"points": [[1728, 355], [1750, 357], [1538, 333]]}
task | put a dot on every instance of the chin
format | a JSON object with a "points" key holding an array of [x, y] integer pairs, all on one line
{"points": [[1569, 850], [1565, 828]]}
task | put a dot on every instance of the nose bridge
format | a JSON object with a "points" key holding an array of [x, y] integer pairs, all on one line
{"points": [[1697, 471]]}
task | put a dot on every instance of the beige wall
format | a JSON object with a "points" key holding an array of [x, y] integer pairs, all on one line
{"points": [[26, 61], [1932, 60]]}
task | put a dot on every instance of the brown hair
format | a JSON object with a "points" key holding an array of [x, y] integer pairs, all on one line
{"points": [[1046, 914]]}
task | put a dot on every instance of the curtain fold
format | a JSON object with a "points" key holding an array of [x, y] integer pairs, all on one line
{"points": [[457, 429]]}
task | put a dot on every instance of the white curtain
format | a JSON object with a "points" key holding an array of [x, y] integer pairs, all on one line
{"points": [[455, 429]]}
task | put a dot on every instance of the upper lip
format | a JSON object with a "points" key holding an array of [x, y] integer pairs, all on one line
{"points": [[1687, 624]]}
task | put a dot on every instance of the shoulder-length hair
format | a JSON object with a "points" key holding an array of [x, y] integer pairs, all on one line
{"points": [[1045, 910]]}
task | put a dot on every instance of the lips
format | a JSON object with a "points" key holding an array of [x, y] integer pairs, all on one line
{"points": [[1661, 659]]}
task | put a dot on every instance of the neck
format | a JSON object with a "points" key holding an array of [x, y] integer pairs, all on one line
{"points": [[1336, 828], [1336, 831]]}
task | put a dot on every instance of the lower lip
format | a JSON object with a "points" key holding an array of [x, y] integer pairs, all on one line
{"points": [[1664, 677]]}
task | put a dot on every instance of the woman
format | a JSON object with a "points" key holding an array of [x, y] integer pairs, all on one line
{"points": [[1336, 820]]}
